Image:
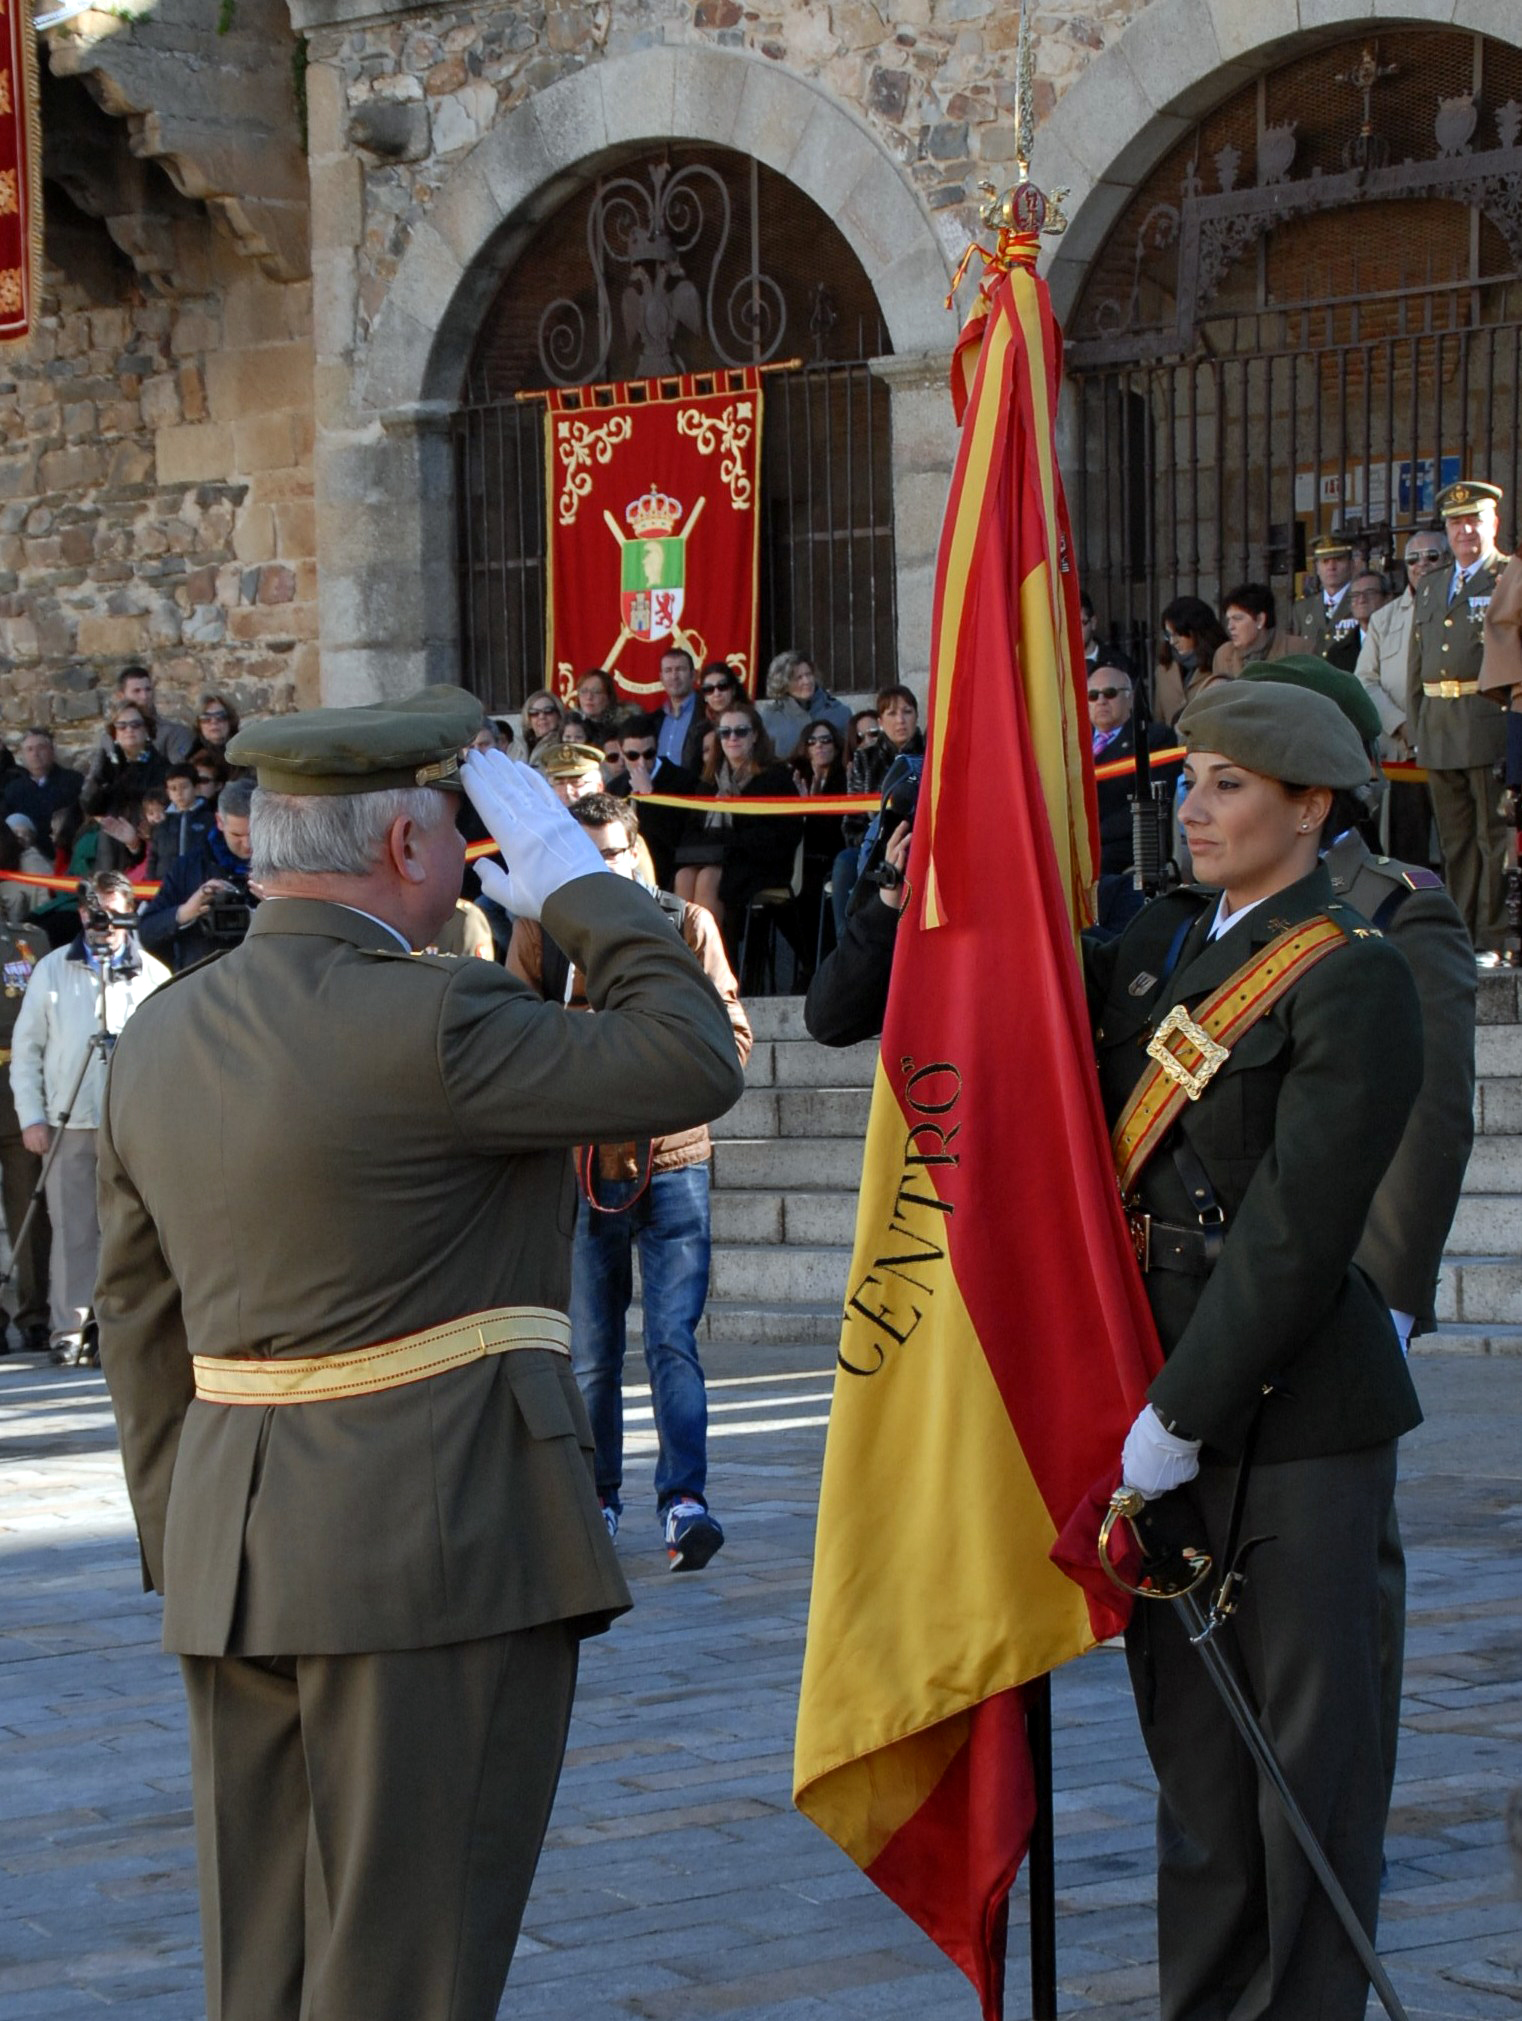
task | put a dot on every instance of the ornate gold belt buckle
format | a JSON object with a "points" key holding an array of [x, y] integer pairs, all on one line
{"points": [[1193, 1080]]}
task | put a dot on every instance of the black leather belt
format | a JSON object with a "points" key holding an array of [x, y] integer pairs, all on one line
{"points": [[1162, 1245]]}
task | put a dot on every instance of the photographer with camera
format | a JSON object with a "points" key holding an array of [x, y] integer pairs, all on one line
{"points": [[204, 903], [77, 1000], [848, 997]]}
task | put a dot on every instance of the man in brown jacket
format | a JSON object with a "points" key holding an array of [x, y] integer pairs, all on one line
{"points": [[338, 1350], [654, 1194]]}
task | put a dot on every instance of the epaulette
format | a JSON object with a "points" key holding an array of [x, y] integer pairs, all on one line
{"points": [[1415, 876]]}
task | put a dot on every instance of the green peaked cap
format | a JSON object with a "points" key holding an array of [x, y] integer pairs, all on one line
{"points": [[414, 742]]}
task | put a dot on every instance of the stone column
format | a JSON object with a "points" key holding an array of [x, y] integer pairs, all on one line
{"points": [[924, 451]]}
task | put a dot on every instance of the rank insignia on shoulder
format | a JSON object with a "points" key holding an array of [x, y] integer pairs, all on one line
{"points": [[1367, 933], [1415, 878], [1140, 983]]}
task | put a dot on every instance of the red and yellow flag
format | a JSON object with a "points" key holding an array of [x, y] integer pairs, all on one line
{"points": [[997, 1341]]}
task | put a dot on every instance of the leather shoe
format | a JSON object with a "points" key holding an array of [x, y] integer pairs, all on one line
{"points": [[34, 1339]]}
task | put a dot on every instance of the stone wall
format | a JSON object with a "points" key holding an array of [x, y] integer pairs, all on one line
{"points": [[156, 491]]}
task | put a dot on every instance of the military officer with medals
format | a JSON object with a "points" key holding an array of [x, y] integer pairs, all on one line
{"points": [[1459, 732], [338, 1349], [1249, 1168], [1324, 617], [21, 948]]}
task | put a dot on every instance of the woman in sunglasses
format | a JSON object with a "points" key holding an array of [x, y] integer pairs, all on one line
{"points": [[542, 720], [126, 760], [725, 859], [820, 769], [216, 721]]}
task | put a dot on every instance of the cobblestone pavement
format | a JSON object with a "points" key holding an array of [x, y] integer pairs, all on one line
{"points": [[677, 1881]]}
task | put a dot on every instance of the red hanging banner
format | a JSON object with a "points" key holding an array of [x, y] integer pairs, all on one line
{"points": [[20, 175], [654, 534]]}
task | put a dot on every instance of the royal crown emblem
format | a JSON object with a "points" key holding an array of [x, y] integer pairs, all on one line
{"points": [[654, 515]]}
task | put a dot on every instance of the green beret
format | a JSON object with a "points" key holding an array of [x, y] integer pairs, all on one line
{"points": [[567, 761], [1305, 670], [414, 742], [1286, 733]]}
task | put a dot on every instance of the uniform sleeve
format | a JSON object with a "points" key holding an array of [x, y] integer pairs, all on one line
{"points": [[701, 932], [28, 1041], [1402, 1246], [521, 1074], [143, 1350], [1289, 1246]]}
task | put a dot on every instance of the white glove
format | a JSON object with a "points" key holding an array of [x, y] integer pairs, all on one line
{"points": [[542, 847], [1153, 1460]]}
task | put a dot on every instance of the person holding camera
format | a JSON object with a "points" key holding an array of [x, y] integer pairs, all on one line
{"points": [[73, 996], [204, 903]]}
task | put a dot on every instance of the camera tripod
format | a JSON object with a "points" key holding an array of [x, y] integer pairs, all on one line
{"points": [[99, 1045]]}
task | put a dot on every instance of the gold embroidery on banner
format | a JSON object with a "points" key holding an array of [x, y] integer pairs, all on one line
{"points": [[8, 199], [731, 433], [10, 290], [5, 92], [577, 444]]}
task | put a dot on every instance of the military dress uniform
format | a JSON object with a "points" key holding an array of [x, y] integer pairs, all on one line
{"points": [[338, 1351], [1323, 622], [1460, 736], [1292, 1147], [21, 948]]}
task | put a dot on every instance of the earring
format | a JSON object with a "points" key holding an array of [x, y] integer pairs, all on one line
{"points": [[1305, 828]]}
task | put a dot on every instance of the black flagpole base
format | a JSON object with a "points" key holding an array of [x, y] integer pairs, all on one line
{"points": [[1040, 1862]]}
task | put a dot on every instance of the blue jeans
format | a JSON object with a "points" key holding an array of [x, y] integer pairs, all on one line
{"points": [[670, 1223]]}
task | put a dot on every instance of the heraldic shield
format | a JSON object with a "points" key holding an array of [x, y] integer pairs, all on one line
{"points": [[653, 587]]}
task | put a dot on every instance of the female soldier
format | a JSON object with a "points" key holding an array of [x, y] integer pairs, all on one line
{"points": [[1246, 1216]]}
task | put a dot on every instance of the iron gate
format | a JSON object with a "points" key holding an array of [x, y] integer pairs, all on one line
{"points": [[1196, 474], [827, 566]]}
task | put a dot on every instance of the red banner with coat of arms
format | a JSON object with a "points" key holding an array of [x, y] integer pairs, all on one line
{"points": [[20, 174], [651, 492]]}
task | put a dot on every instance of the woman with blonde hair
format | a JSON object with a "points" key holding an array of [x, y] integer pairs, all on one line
{"points": [[543, 719]]}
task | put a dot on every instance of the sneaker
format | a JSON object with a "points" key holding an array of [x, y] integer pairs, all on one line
{"points": [[610, 1517], [692, 1535]]}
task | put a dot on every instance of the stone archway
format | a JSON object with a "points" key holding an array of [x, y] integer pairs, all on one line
{"points": [[1175, 60], [383, 463]]}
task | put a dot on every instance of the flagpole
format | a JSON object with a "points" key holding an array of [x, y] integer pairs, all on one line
{"points": [[1040, 1861]]}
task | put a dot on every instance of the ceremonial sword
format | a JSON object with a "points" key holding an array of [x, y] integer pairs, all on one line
{"points": [[1126, 1504]]}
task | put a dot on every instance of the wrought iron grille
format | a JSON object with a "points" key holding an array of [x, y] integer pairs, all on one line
{"points": [[1196, 474], [827, 567]]}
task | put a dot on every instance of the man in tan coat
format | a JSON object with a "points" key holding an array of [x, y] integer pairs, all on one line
{"points": [[653, 1195], [338, 1351]]}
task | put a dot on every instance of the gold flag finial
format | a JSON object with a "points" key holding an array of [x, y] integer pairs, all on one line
{"points": [[1020, 214]]}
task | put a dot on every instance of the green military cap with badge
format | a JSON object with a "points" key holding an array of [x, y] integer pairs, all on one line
{"points": [[376, 748], [1467, 496], [567, 761], [1286, 732]]}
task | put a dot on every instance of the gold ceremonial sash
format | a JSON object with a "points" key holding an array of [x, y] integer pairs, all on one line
{"points": [[1188, 1050], [365, 1371]]}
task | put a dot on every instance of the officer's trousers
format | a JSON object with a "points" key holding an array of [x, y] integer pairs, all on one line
{"points": [[1473, 840], [1244, 1931], [367, 1827]]}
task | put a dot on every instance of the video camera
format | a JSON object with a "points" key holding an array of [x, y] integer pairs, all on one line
{"points": [[226, 918], [900, 798], [99, 923]]}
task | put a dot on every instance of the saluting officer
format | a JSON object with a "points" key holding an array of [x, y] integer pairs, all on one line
{"points": [[338, 1350], [1324, 618], [1460, 732], [21, 948]]}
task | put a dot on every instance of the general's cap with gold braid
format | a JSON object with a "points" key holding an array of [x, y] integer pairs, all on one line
{"points": [[1468, 495], [1288, 733], [413, 742], [567, 761]]}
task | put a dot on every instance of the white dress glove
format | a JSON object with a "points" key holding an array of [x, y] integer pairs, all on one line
{"points": [[1154, 1461], [542, 847]]}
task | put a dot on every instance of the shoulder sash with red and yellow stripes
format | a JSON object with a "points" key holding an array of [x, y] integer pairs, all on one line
{"points": [[1187, 1050]]}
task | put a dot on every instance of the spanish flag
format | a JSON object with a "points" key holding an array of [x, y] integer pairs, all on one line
{"points": [[996, 1342]]}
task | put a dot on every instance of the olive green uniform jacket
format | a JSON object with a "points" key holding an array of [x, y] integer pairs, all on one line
{"points": [[1309, 618], [1413, 1210], [1453, 733], [1295, 1132], [388, 1149]]}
